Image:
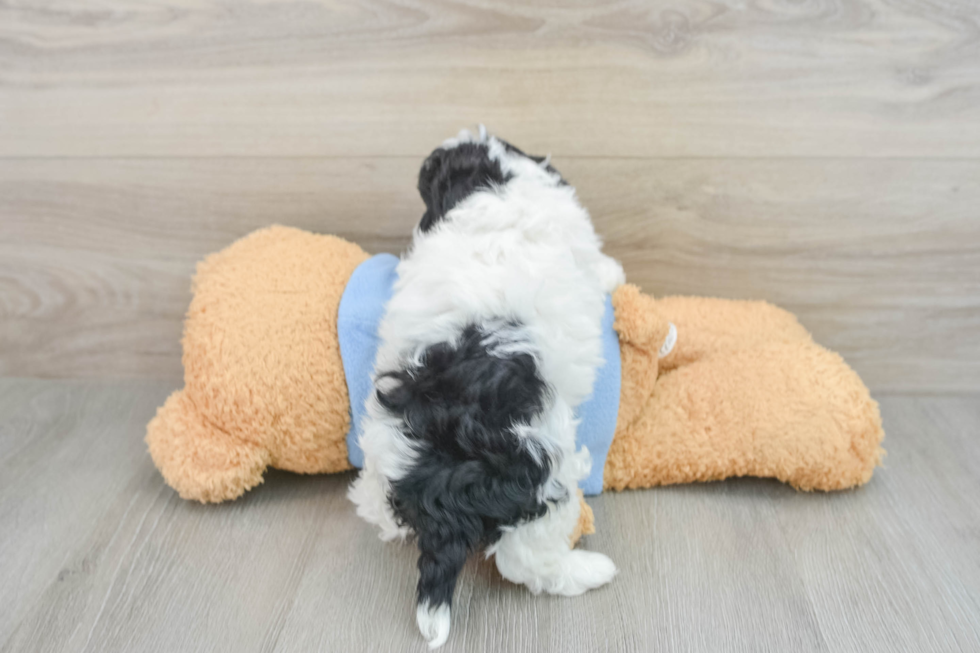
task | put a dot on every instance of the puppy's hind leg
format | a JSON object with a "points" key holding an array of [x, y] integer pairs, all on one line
{"points": [[538, 554], [369, 494]]}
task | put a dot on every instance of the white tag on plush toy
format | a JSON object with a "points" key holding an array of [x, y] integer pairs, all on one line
{"points": [[670, 341]]}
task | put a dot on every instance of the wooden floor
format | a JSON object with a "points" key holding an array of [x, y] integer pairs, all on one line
{"points": [[820, 154], [99, 555]]}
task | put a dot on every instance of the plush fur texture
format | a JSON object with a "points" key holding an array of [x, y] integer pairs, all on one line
{"points": [[745, 392], [263, 379], [489, 343]]}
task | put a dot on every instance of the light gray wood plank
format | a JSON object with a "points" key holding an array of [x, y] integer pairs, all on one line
{"points": [[90, 531], [104, 557], [339, 78], [896, 568], [72, 468], [880, 259], [697, 572]]}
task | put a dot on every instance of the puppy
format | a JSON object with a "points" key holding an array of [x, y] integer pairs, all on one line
{"points": [[490, 341]]}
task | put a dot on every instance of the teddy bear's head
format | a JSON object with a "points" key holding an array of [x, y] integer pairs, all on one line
{"points": [[264, 380]]}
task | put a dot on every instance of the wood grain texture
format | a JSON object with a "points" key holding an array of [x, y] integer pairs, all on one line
{"points": [[880, 259], [102, 556], [389, 77]]}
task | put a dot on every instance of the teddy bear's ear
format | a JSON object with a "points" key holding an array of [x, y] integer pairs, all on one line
{"points": [[200, 462]]}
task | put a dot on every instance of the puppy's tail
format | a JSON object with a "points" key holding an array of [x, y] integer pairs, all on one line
{"points": [[442, 556]]}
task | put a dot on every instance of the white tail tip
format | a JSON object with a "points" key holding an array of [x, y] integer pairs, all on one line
{"points": [[434, 623]]}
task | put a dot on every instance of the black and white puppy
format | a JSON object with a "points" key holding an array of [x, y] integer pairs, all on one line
{"points": [[490, 341]]}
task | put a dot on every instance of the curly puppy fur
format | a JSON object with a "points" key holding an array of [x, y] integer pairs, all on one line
{"points": [[490, 342]]}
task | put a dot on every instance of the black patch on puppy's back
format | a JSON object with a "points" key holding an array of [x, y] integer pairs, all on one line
{"points": [[472, 474], [450, 175]]}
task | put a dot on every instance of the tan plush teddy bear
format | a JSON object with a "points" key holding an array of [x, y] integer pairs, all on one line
{"points": [[708, 388]]}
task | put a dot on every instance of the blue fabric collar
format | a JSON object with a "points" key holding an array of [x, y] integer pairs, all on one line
{"points": [[363, 305]]}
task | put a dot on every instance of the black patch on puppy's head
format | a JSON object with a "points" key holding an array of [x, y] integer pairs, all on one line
{"points": [[537, 159], [452, 174], [472, 474]]}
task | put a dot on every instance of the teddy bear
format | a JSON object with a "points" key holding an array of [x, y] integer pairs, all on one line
{"points": [[276, 367]]}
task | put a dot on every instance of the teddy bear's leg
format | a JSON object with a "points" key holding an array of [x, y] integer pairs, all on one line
{"points": [[199, 461], [787, 410]]}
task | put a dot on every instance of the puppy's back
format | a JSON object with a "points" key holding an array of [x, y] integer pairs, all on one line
{"points": [[466, 406]]}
